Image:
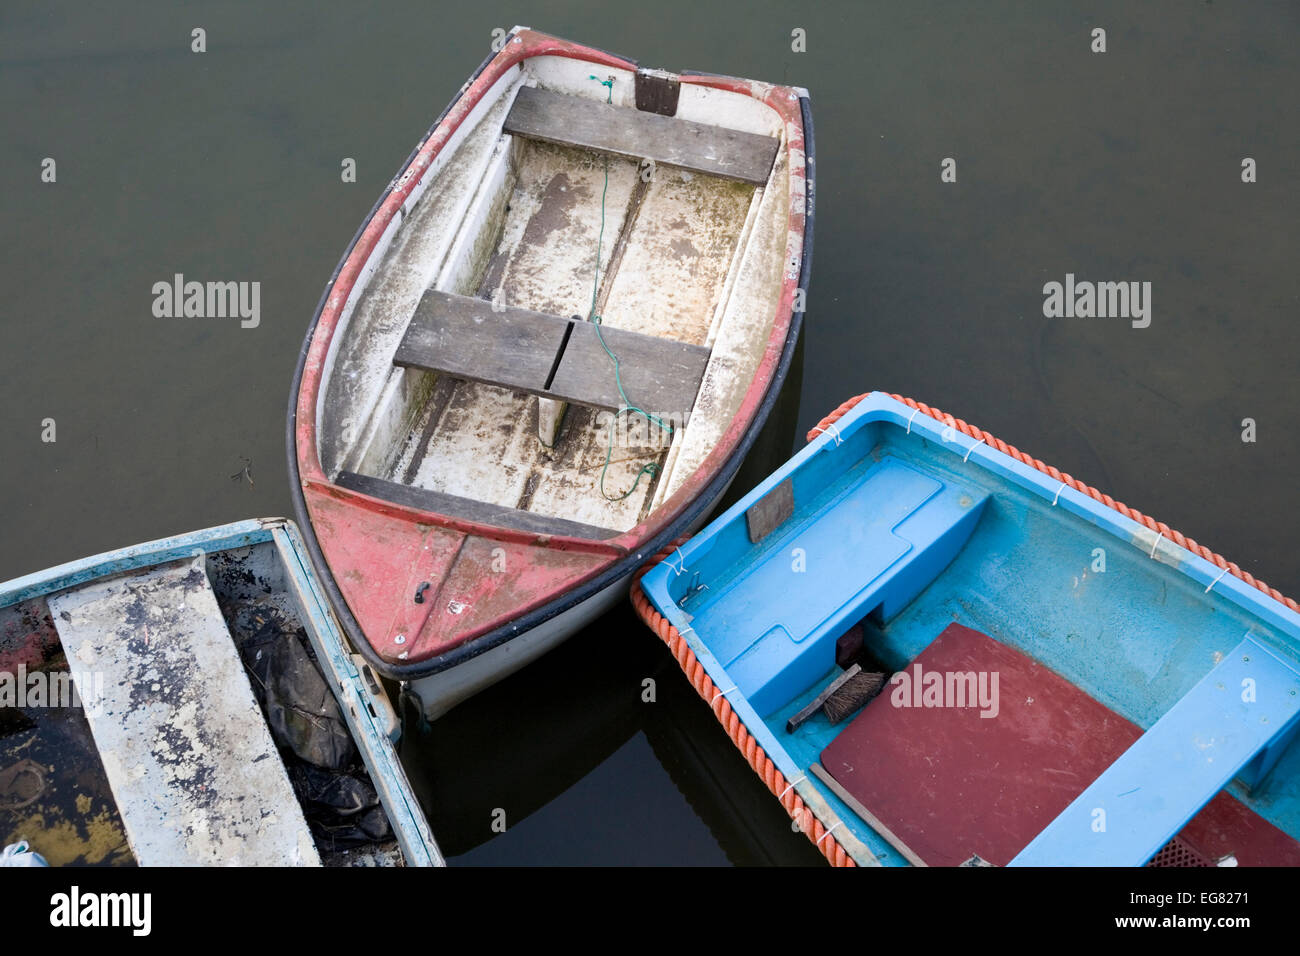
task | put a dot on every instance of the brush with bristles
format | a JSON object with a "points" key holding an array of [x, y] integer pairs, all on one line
{"points": [[816, 703], [851, 695], [849, 690]]}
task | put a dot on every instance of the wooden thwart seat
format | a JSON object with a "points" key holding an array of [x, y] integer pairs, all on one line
{"points": [[482, 512], [699, 147], [549, 356]]}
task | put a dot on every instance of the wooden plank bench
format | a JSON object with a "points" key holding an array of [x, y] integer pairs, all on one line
{"points": [[483, 512], [189, 757], [591, 124], [550, 356], [1189, 755]]}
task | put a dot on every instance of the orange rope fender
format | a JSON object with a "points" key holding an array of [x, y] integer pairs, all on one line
{"points": [[809, 823], [1158, 526]]}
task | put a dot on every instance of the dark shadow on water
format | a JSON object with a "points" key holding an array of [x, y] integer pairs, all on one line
{"points": [[575, 761]]}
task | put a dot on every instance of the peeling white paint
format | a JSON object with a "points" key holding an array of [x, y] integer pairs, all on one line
{"points": [[517, 221], [195, 774]]}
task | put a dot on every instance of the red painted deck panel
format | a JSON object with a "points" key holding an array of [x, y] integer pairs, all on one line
{"points": [[1227, 826], [952, 784], [475, 583]]}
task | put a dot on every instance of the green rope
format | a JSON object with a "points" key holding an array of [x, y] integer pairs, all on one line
{"points": [[627, 407]]}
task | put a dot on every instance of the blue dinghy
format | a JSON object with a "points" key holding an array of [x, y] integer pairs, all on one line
{"points": [[936, 650], [190, 701]]}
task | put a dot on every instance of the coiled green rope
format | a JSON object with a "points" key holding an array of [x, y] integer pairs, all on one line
{"points": [[627, 407]]}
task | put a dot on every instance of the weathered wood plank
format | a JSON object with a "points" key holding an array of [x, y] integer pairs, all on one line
{"points": [[657, 91], [524, 350], [483, 512], [661, 376], [770, 511], [577, 121], [465, 338], [188, 754]]}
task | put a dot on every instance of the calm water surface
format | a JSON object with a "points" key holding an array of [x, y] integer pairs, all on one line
{"points": [[225, 166]]}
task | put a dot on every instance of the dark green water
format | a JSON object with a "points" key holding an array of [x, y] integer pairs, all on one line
{"points": [[225, 166]]}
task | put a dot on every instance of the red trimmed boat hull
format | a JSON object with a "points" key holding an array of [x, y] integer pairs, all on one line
{"points": [[376, 555]]}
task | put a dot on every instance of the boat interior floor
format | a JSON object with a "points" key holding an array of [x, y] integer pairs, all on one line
{"points": [[54, 792], [500, 391], [979, 748], [521, 417]]}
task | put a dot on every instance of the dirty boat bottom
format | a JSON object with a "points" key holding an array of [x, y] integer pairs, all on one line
{"points": [[480, 442], [55, 793], [53, 790]]}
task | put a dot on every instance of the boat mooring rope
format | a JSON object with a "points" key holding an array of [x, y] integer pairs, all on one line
{"points": [[812, 826], [627, 407]]}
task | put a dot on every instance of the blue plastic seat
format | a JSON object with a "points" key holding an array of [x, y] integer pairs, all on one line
{"points": [[880, 539], [1237, 718]]}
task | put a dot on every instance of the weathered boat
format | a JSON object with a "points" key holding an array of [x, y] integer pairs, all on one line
{"points": [[190, 701], [546, 352], [1059, 679]]}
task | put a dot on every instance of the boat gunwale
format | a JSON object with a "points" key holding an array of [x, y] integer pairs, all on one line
{"points": [[673, 516], [131, 558]]}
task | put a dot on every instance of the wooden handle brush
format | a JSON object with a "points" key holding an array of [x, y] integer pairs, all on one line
{"points": [[842, 696], [852, 695]]}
